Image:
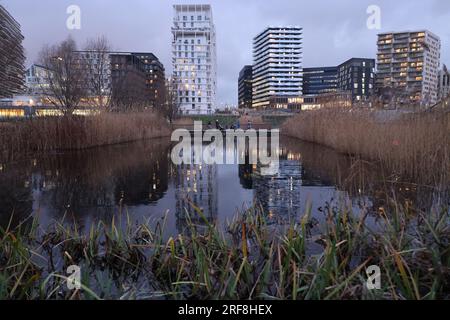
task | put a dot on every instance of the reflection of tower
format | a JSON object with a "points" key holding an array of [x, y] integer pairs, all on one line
{"points": [[15, 195], [146, 182], [196, 190], [279, 195], [245, 173]]}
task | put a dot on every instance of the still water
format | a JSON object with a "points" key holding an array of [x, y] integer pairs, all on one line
{"points": [[139, 178]]}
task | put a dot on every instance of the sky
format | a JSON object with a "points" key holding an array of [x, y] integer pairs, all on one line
{"points": [[333, 30]]}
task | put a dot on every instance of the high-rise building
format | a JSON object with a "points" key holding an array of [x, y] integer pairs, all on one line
{"points": [[444, 84], [130, 73], [156, 78], [277, 67], [37, 80], [245, 87], [12, 58], [408, 63], [128, 81], [357, 76], [97, 69], [194, 58], [319, 80]]}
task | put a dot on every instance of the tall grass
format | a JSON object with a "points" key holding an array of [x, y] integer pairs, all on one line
{"points": [[417, 144], [252, 260], [75, 132]]}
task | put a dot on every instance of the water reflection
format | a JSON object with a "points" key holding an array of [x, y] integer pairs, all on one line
{"points": [[279, 194], [88, 183], [196, 194], [140, 179]]}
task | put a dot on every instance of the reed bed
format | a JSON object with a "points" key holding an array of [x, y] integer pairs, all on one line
{"points": [[249, 260], [76, 132], [416, 144]]}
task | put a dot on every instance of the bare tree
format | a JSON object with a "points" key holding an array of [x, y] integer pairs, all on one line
{"points": [[128, 79], [128, 92], [172, 105], [65, 81], [98, 71]]}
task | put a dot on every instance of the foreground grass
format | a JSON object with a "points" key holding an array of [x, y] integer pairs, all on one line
{"points": [[75, 132], [251, 260], [415, 145]]}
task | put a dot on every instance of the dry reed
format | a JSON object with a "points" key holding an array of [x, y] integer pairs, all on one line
{"points": [[416, 145], [73, 133]]}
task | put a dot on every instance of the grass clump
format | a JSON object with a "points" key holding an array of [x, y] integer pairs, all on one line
{"points": [[250, 259]]}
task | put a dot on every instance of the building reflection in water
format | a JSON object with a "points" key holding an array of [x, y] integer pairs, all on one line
{"points": [[144, 183], [195, 191], [300, 182], [279, 194], [91, 183], [16, 200]]}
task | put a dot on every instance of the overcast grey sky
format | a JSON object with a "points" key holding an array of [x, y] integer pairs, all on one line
{"points": [[334, 30]]}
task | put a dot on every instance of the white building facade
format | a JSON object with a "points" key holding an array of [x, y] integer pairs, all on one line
{"points": [[194, 59], [37, 80], [409, 62], [277, 65]]}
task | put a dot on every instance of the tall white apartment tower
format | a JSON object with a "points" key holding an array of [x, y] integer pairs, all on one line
{"points": [[277, 67], [409, 62], [194, 58]]}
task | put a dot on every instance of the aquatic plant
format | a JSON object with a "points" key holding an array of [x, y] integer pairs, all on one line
{"points": [[249, 259]]}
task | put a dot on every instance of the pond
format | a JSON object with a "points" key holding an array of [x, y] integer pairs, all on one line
{"points": [[140, 180]]}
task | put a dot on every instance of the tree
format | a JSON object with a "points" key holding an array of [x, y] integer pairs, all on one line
{"points": [[128, 83], [98, 71], [172, 104], [65, 81]]}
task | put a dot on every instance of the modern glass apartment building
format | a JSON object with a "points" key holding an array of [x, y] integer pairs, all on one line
{"points": [[319, 80], [156, 78], [409, 63], [357, 76], [277, 67], [12, 57], [194, 58], [245, 87]]}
